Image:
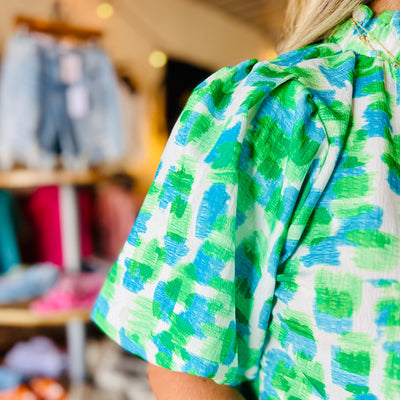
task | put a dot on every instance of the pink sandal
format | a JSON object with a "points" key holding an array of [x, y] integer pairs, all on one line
{"points": [[71, 293]]}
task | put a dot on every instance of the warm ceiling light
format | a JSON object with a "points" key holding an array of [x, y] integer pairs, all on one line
{"points": [[105, 10], [158, 59]]}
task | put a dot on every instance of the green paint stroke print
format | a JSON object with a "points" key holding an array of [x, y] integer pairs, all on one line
{"points": [[339, 295], [268, 247], [391, 382], [375, 250]]}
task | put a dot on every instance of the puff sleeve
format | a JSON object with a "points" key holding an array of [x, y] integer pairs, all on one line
{"points": [[193, 287]]}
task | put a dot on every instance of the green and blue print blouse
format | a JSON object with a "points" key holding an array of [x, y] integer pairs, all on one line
{"points": [[268, 247]]}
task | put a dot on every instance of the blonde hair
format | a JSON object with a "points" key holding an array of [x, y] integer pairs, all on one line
{"points": [[310, 21]]}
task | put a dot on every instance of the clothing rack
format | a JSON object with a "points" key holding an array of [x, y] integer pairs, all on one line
{"points": [[67, 182], [57, 28]]}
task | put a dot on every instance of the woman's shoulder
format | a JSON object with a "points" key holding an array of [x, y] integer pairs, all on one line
{"points": [[223, 106], [244, 87], [260, 100], [321, 66]]}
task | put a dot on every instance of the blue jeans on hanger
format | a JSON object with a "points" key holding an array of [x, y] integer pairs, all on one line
{"points": [[100, 131], [19, 102], [56, 132]]}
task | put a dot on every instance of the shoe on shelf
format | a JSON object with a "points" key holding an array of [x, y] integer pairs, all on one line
{"points": [[48, 389], [72, 292], [21, 392]]}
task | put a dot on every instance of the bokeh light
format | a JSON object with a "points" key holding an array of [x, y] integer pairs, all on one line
{"points": [[158, 59], [105, 10]]}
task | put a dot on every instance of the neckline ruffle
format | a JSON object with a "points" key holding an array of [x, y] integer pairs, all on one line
{"points": [[384, 27], [364, 15]]}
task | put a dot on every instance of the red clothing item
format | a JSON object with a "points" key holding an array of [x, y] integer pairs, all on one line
{"points": [[44, 213]]}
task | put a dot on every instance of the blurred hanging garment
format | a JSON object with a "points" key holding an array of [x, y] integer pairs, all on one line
{"points": [[103, 119], [86, 204], [44, 212], [9, 251], [19, 102], [68, 97], [55, 129], [43, 209], [117, 209]]}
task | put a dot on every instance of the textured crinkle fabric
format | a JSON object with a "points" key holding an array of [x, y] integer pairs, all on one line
{"points": [[268, 247]]}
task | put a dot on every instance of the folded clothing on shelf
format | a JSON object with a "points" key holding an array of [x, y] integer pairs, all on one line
{"points": [[9, 378], [37, 357], [21, 284], [72, 292]]}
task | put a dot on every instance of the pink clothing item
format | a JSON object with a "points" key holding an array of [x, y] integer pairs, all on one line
{"points": [[117, 209], [44, 213], [75, 292]]}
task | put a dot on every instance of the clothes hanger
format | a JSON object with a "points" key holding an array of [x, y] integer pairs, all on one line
{"points": [[57, 28]]}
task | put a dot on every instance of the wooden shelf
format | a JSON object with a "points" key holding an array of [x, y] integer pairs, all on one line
{"points": [[26, 178], [20, 317]]}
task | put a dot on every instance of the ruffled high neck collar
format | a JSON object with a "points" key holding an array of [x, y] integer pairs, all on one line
{"points": [[385, 28]]}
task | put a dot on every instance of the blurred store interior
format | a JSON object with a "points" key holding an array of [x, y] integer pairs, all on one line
{"points": [[89, 92]]}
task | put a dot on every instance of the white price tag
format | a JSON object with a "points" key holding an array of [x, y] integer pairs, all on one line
{"points": [[78, 104], [71, 68]]}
